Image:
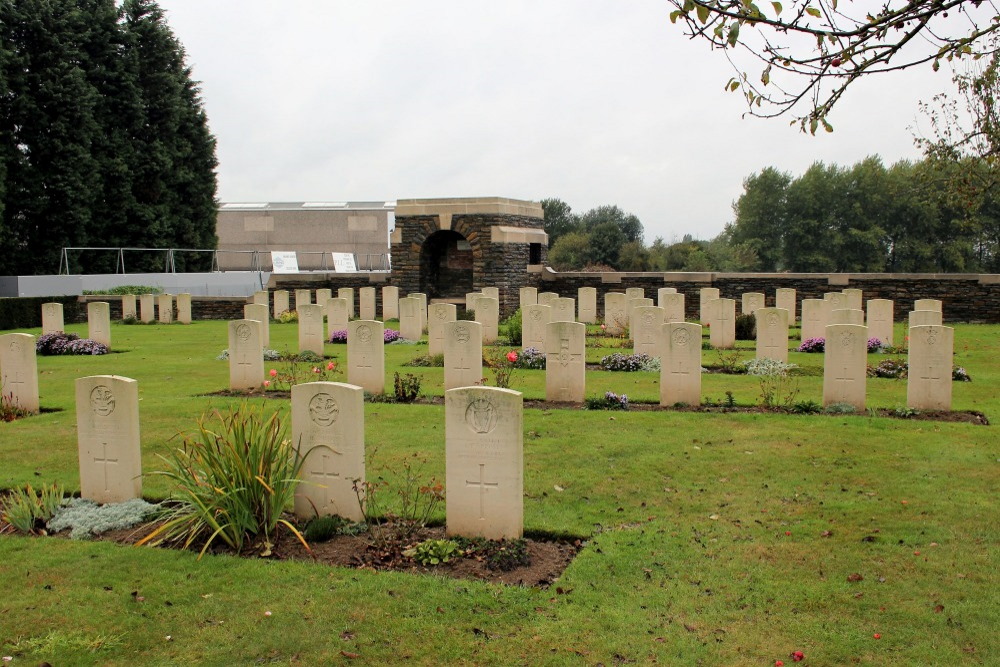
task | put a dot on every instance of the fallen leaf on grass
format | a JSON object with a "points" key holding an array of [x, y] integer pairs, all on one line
{"points": [[938, 609], [855, 577], [348, 654]]}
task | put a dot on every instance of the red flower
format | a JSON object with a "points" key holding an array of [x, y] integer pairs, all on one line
{"points": [[798, 656], [316, 369], [512, 356], [877, 636], [779, 663], [273, 372], [330, 366], [267, 383]]}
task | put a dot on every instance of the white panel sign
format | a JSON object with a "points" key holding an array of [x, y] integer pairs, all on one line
{"points": [[284, 261], [343, 262]]}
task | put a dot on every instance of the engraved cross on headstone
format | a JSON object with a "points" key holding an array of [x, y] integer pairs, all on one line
{"points": [[106, 461], [483, 485], [844, 380], [933, 373], [243, 361], [18, 379], [326, 473], [681, 368]]}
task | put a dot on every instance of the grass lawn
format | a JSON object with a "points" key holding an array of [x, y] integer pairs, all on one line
{"points": [[715, 539]]}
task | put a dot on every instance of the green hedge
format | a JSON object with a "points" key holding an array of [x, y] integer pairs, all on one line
{"points": [[26, 312]]}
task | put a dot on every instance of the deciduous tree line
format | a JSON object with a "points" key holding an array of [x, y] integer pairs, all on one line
{"points": [[104, 140]]}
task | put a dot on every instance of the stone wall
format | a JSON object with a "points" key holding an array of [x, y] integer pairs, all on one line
{"points": [[965, 297]]}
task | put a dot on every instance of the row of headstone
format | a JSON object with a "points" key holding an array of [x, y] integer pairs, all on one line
{"points": [[366, 301]]}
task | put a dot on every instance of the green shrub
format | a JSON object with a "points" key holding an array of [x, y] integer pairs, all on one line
{"points": [[287, 317], [433, 552], [406, 387], [840, 409], [426, 361], [85, 518], [28, 511], [511, 328], [746, 327], [233, 479], [322, 528], [127, 289], [503, 555]]}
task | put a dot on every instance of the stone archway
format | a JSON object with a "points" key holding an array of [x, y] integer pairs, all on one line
{"points": [[446, 265]]}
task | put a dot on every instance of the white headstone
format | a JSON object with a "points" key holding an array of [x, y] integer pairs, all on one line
{"points": [[107, 427], [303, 297], [492, 292], [673, 307], [262, 297], [165, 308], [546, 298], [925, 317], [147, 307], [409, 318], [563, 310], [565, 362], [855, 299], [463, 354], [587, 308], [635, 293], [366, 355], [484, 463], [722, 329], [52, 317], [438, 314], [630, 307], [129, 308], [662, 292], [328, 430], [99, 322], [814, 319], [488, 314], [311, 328], [881, 317], [784, 297], [928, 378], [258, 312], [184, 308], [928, 304], [680, 363], [420, 296], [470, 300], [751, 302], [336, 315], [390, 303], [845, 365], [705, 296], [772, 333], [527, 296], [366, 306], [615, 313], [648, 330], [533, 322], [847, 316], [280, 302], [347, 293], [834, 301], [19, 372], [323, 295], [246, 355]]}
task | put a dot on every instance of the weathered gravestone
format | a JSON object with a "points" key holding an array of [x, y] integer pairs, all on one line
{"points": [[648, 329], [928, 304], [390, 302], [323, 295], [311, 328], [533, 322], [366, 306], [772, 334], [833, 301], [258, 312], [492, 292], [563, 310], [165, 308], [784, 297], [635, 293], [484, 463], [463, 354], [107, 428], [673, 307], [303, 297], [813, 319], [527, 296], [845, 365], [246, 354], [546, 298], [420, 296], [438, 314], [919, 318], [328, 431], [880, 320], [587, 307], [615, 313], [929, 374], [366, 355], [280, 302], [129, 309], [706, 295], [348, 294], [470, 300], [261, 297], [19, 372], [99, 322], [409, 318], [751, 301], [488, 314], [565, 364], [630, 309], [662, 292], [337, 315], [680, 363], [847, 316], [722, 326], [52, 318], [854, 298], [184, 308], [147, 307]]}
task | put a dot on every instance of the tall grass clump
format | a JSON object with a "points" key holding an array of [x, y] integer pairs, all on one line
{"points": [[233, 479]]}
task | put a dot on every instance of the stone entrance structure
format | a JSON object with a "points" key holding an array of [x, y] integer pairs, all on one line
{"points": [[446, 248]]}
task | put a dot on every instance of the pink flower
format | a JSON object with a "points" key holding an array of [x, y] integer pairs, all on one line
{"points": [[604, 326], [330, 366], [512, 356], [267, 383], [273, 373], [316, 369]]}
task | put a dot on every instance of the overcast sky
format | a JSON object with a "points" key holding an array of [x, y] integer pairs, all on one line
{"points": [[591, 101]]}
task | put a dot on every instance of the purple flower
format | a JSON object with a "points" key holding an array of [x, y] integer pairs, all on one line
{"points": [[813, 345]]}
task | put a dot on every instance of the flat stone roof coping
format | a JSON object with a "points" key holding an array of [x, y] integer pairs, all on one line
{"points": [[469, 205]]}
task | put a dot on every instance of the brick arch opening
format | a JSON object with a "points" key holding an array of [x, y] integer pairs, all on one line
{"points": [[446, 265]]}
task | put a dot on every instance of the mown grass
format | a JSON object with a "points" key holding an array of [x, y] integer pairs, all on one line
{"points": [[711, 538]]}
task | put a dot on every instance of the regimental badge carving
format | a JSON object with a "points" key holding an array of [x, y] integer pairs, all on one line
{"points": [[441, 314], [772, 319], [481, 416], [102, 400], [15, 346], [564, 356], [365, 333], [243, 332], [536, 315], [931, 334], [681, 337], [323, 409], [847, 340], [462, 334], [648, 319]]}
